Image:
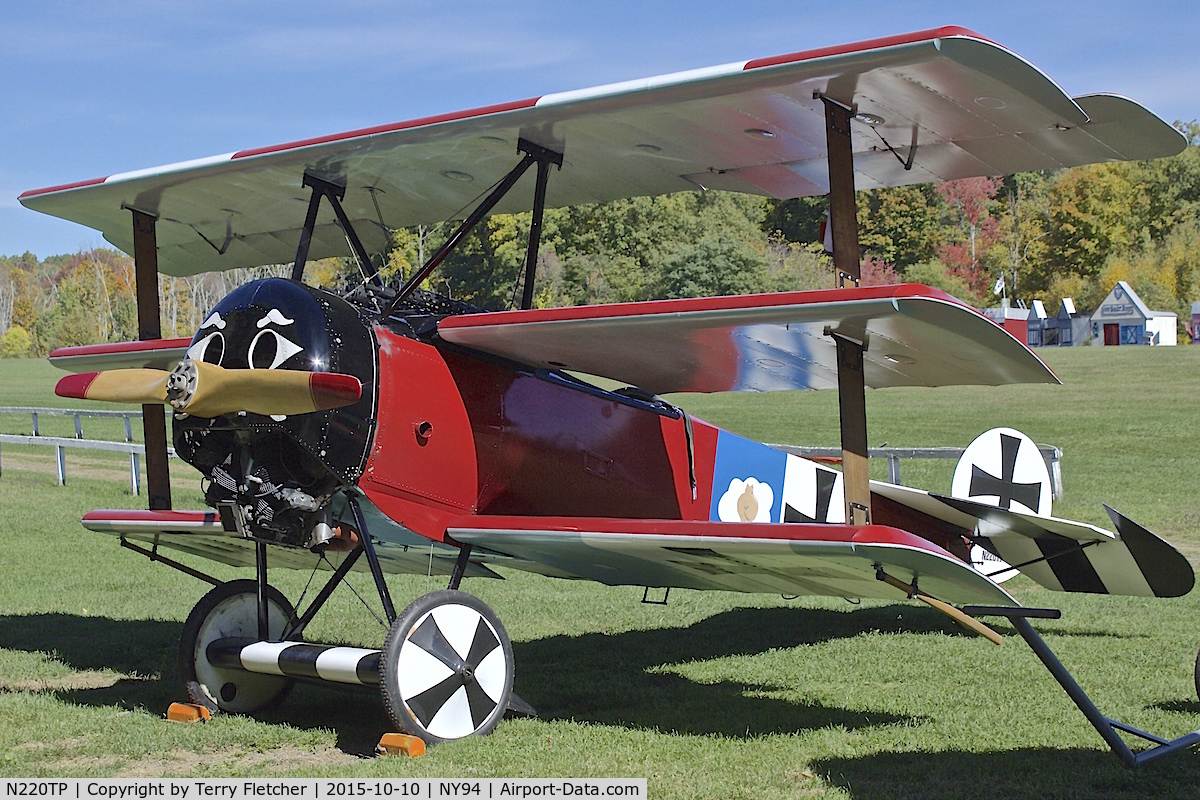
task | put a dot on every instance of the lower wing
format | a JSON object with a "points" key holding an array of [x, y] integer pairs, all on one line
{"points": [[152, 353], [833, 560], [201, 533]]}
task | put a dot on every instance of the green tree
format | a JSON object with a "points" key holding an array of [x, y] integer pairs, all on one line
{"points": [[1095, 211], [1023, 230], [717, 264], [15, 343], [936, 274], [796, 220], [900, 225]]}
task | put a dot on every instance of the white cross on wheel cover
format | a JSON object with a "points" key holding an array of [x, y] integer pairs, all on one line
{"points": [[447, 667]]}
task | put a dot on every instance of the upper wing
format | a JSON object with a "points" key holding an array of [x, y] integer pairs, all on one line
{"points": [[831, 560], [967, 106], [915, 336]]}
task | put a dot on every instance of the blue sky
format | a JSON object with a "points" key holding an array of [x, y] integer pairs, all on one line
{"points": [[91, 89]]}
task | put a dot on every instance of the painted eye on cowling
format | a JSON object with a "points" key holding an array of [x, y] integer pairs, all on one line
{"points": [[269, 349], [210, 349]]}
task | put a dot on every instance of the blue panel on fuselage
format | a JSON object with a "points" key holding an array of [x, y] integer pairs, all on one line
{"points": [[747, 481], [756, 483]]}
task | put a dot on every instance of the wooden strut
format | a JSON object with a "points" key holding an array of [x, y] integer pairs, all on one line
{"points": [[843, 210], [154, 422], [852, 412], [852, 402]]}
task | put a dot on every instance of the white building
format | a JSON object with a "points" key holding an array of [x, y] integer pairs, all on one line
{"points": [[1124, 319]]}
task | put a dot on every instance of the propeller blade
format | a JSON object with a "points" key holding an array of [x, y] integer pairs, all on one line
{"points": [[116, 386], [206, 390]]}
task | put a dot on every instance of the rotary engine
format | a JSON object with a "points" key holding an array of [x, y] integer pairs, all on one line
{"points": [[274, 476]]}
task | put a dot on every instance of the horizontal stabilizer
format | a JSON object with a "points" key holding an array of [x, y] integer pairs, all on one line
{"points": [[1076, 557], [1167, 571], [1060, 554]]}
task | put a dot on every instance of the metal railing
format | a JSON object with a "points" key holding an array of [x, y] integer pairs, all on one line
{"points": [[61, 444], [1050, 454], [36, 413]]}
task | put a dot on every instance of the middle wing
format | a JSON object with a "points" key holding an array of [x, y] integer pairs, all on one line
{"points": [[831, 560], [915, 336]]}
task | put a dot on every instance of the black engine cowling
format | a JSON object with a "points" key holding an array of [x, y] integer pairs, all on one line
{"points": [[280, 471]]}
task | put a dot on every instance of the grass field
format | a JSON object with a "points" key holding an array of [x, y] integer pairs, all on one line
{"points": [[714, 695]]}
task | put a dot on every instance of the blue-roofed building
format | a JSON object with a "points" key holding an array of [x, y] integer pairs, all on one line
{"points": [[1065, 329]]}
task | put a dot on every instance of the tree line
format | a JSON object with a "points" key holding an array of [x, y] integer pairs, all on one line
{"points": [[1066, 233]]}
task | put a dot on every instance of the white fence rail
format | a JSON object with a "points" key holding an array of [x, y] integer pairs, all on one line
{"points": [[1051, 454], [135, 450], [36, 413]]}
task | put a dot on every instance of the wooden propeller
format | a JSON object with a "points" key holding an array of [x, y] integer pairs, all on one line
{"points": [[206, 390]]}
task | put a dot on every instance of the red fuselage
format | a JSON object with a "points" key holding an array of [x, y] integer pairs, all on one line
{"points": [[460, 433]]}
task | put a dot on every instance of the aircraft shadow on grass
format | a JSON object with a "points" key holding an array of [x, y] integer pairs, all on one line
{"points": [[1020, 774], [596, 677], [606, 679]]}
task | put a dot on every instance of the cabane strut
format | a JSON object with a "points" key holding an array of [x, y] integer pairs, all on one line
{"points": [[533, 153]]}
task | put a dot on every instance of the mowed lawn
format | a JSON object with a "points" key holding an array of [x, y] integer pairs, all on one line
{"points": [[713, 695]]}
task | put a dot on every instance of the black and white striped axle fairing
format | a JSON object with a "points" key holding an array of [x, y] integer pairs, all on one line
{"points": [[353, 665]]}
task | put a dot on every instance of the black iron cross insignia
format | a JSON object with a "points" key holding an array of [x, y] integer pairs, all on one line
{"points": [[983, 483], [826, 481]]}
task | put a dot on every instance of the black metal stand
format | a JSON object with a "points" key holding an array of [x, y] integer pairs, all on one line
{"points": [[296, 628], [260, 563], [460, 566], [154, 555], [1107, 728]]}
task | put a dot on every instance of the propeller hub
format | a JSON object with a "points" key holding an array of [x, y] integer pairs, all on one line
{"points": [[181, 384]]}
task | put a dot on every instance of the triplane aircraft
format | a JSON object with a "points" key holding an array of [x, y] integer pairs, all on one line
{"points": [[386, 429]]}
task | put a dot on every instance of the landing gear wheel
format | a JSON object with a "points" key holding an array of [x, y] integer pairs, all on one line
{"points": [[231, 610], [447, 668], [1198, 674]]}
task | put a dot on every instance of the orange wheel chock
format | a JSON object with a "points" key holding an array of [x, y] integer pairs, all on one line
{"points": [[393, 744], [187, 712]]}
